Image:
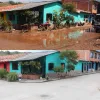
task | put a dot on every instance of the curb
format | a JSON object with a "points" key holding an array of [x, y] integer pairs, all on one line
{"points": [[58, 79]]}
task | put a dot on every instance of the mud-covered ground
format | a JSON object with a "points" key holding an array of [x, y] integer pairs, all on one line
{"points": [[56, 39]]}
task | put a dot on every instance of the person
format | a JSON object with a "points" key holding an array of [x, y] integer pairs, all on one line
{"points": [[20, 77]]}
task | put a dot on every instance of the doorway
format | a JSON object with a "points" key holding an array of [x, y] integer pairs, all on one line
{"points": [[5, 66]]}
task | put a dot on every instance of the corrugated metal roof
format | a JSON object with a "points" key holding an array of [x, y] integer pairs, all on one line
{"points": [[35, 55], [97, 0], [32, 5]]}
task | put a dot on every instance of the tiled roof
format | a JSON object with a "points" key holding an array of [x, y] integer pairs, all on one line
{"points": [[8, 8], [7, 58]]}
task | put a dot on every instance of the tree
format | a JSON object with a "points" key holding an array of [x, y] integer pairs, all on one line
{"points": [[32, 66], [14, 3], [69, 7], [61, 20], [30, 16], [71, 59]]}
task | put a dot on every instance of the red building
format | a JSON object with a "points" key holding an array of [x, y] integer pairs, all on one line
{"points": [[5, 60], [85, 5]]}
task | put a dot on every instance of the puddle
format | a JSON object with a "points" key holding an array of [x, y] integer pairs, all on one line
{"points": [[60, 38], [75, 35], [46, 96]]}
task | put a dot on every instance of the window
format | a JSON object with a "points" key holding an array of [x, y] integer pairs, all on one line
{"points": [[14, 66], [85, 68], [95, 55], [49, 16], [2, 15], [98, 56], [11, 17], [63, 65], [51, 66], [86, 16], [91, 54]]}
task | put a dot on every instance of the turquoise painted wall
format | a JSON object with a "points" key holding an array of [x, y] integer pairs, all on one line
{"points": [[78, 16], [13, 21], [17, 71], [50, 8], [78, 66], [54, 58]]}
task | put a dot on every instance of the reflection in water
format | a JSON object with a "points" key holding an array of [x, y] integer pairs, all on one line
{"points": [[61, 38], [75, 35]]}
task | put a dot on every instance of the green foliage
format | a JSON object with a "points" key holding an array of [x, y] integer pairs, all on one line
{"points": [[70, 67], [61, 20], [31, 67], [30, 16], [35, 64], [12, 76], [6, 25], [3, 73], [58, 18], [69, 7], [58, 69], [14, 3], [70, 57]]}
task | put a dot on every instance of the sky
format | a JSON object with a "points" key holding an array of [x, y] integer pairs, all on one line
{"points": [[27, 50], [24, 0]]}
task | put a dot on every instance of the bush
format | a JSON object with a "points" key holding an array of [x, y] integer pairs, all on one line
{"points": [[12, 76], [70, 67], [58, 69], [3, 73]]}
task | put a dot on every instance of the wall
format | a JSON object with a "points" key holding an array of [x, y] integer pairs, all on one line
{"points": [[17, 71], [7, 64], [13, 21], [50, 8], [54, 58], [85, 5], [78, 66]]}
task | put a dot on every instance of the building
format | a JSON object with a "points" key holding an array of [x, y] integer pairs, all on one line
{"points": [[41, 10], [85, 5], [97, 5], [88, 61], [5, 61]]}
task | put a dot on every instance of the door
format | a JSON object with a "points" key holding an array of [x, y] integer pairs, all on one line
{"points": [[82, 68], [5, 66]]}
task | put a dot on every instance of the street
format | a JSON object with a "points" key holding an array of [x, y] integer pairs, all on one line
{"points": [[85, 87]]}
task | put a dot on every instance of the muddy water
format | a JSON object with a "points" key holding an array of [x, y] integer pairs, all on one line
{"points": [[44, 39]]}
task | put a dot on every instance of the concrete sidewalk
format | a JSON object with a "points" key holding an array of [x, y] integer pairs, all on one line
{"points": [[55, 79]]}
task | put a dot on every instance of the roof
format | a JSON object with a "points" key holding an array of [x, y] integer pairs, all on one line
{"points": [[78, 11], [8, 8], [7, 58], [97, 0], [33, 5], [35, 55]]}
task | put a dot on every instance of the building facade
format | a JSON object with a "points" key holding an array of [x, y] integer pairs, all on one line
{"points": [[88, 61], [85, 5], [43, 11]]}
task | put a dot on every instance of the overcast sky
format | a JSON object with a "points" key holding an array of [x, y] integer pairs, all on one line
{"points": [[24, 0], [27, 50]]}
